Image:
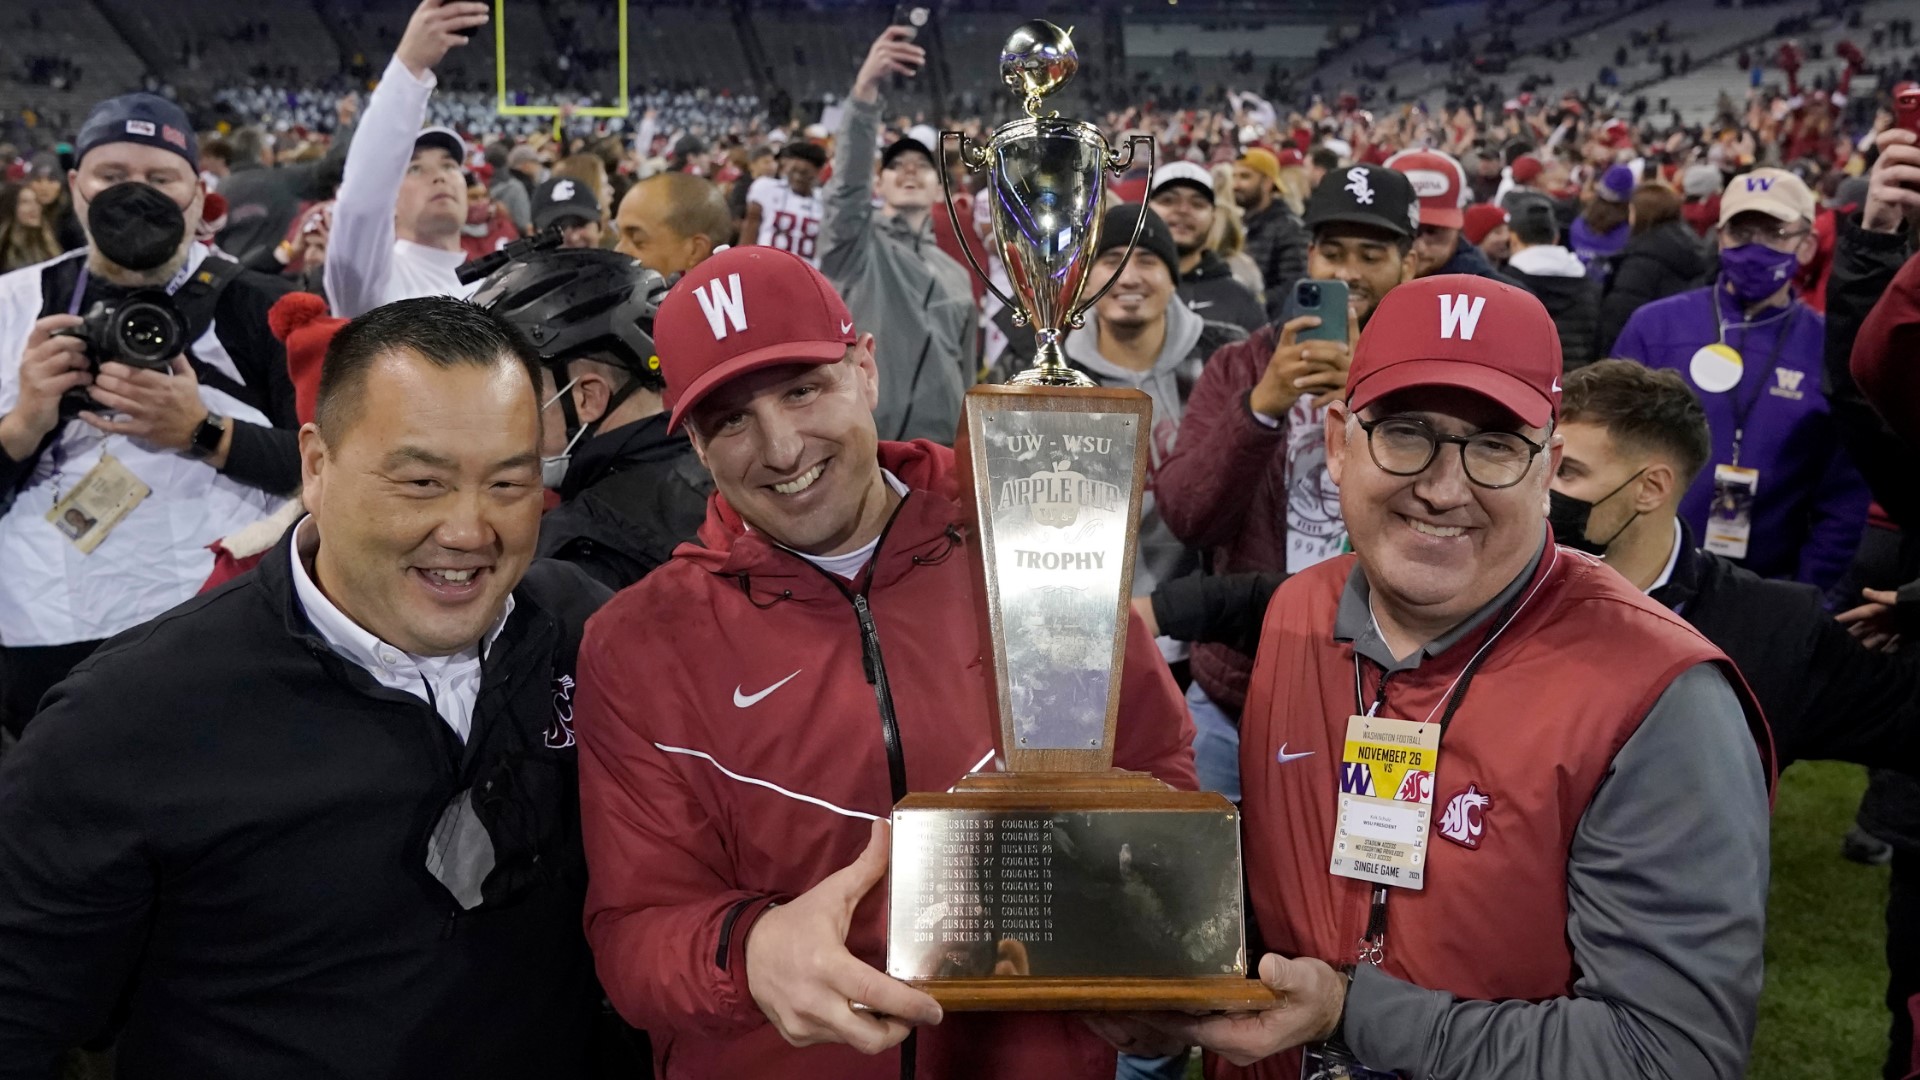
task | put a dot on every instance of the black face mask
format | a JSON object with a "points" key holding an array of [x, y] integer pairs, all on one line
{"points": [[136, 225], [1569, 516]]}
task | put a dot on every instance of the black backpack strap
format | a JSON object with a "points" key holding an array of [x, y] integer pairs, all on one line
{"points": [[56, 286], [196, 300]]}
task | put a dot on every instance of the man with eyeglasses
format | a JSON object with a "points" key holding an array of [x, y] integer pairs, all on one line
{"points": [[1505, 813], [1780, 495]]}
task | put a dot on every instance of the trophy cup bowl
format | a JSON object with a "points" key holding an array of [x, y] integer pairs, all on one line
{"points": [[1062, 882], [1046, 191]]}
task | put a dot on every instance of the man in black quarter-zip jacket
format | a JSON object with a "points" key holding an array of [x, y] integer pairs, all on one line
{"points": [[322, 821]]}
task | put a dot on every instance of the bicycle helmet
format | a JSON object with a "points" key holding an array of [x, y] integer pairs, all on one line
{"points": [[578, 302]]}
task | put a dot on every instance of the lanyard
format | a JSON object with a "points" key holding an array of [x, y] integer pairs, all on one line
{"points": [[1373, 944], [79, 292], [80, 286], [1742, 412]]}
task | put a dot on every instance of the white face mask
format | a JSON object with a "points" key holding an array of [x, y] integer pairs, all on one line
{"points": [[553, 470]]}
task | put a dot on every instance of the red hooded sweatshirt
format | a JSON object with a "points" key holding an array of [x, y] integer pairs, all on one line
{"points": [[1886, 354], [732, 755]]}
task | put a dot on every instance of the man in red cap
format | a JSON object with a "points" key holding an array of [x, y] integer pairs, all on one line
{"points": [[750, 712], [1441, 185], [1486, 228], [1506, 813]]}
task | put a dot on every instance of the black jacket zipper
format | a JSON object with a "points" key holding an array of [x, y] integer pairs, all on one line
{"points": [[871, 663], [875, 669]]}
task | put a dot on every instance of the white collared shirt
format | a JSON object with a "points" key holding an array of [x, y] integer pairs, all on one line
{"points": [[451, 684], [1673, 558]]}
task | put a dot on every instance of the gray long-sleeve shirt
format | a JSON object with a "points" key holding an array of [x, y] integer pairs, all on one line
{"points": [[901, 288], [1666, 909]]}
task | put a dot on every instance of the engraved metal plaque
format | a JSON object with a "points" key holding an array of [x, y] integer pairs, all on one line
{"points": [[1055, 893], [1058, 502]]}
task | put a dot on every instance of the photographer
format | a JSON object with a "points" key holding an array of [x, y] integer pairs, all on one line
{"points": [[165, 452]]}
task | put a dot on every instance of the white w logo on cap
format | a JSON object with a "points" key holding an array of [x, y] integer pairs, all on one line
{"points": [[722, 304], [1460, 312]]}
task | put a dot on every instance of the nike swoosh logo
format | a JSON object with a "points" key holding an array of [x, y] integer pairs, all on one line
{"points": [[1556, 384], [846, 328], [743, 701], [1196, 305], [1284, 756]]}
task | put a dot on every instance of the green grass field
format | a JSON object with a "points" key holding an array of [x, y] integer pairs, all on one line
{"points": [[1821, 1016]]}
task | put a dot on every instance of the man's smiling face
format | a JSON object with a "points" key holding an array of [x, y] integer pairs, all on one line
{"points": [[794, 451]]}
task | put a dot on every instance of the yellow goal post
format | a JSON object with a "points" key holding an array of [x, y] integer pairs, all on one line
{"points": [[505, 108]]}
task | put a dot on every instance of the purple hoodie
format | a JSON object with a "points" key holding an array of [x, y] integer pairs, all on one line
{"points": [[1810, 504]]}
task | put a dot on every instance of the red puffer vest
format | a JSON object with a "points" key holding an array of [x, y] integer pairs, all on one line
{"points": [[1557, 696]]}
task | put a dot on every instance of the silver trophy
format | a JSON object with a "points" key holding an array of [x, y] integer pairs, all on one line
{"points": [[1061, 882], [1046, 186]]}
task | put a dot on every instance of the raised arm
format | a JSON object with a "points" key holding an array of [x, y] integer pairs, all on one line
{"points": [[360, 249], [847, 203]]}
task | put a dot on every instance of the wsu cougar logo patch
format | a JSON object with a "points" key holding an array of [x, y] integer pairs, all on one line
{"points": [[1466, 817], [560, 731]]}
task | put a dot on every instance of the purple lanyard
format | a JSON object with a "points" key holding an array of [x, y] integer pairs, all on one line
{"points": [[79, 291]]}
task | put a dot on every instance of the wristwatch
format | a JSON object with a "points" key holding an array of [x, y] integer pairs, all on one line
{"points": [[207, 436]]}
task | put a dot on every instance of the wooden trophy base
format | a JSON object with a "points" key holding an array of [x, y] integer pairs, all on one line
{"points": [[1070, 891]]}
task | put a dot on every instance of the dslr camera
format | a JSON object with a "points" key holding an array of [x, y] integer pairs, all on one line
{"points": [[142, 329]]}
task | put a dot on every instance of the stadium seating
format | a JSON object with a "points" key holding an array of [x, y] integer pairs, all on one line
{"points": [[1696, 93], [297, 55], [76, 32]]}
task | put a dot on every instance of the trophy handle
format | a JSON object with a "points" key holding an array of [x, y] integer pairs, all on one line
{"points": [[1116, 164], [973, 156]]}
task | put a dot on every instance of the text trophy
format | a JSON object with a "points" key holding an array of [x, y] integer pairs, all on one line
{"points": [[1060, 883]]}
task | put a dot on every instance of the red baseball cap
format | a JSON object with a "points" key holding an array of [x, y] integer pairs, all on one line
{"points": [[1526, 168], [1463, 331], [1438, 181], [742, 310], [1481, 219]]}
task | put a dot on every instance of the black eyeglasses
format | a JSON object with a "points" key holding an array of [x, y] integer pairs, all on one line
{"points": [[1492, 459]]}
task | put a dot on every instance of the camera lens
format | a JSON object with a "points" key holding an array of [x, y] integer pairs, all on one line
{"points": [[146, 335], [1310, 295]]}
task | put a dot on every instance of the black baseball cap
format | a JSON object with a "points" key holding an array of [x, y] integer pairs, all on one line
{"points": [[810, 152], [906, 144], [1365, 195], [147, 119], [1117, 230], [1531, 214], [564, 197]]}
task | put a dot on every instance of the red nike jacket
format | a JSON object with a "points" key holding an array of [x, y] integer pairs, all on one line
{"points": [[733, 754]]}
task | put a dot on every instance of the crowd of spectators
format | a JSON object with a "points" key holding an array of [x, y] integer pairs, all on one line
{"points": [[1725, 299]]}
